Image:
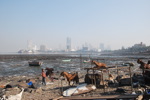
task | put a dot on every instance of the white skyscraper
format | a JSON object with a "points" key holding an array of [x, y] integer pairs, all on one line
{"points": [[68, 44]]}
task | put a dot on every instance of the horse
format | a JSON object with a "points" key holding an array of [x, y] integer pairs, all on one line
{"points": [[49, 72], [143, 65], [70, 77], [98, 64], [148, 62], [146, 73]]}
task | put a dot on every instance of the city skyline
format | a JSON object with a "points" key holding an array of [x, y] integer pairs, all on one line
{"points": [[68, 47], [115, 23]]}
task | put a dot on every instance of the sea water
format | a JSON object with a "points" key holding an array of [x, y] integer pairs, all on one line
{"points": [[13, 67]]}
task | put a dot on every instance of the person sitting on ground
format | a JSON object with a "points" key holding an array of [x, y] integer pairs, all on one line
{"points": [[30, 83]]}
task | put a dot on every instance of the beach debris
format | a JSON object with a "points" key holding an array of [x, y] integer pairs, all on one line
{"points": [[125, 82], [128, 64], [8, 86], [120, 90], [14, 97], [140, 97], [82, 88]]}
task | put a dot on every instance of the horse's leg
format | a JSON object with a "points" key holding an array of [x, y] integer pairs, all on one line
{"points": [[51, 78], [69, 83], [72, 83]]}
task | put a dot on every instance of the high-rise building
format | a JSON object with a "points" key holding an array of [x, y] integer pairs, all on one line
{"points": [[102, 46], [42, 48], [68, 44], [29, 45]]}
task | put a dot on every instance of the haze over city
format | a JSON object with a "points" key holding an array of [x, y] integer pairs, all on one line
{"points": [[115, 23]]}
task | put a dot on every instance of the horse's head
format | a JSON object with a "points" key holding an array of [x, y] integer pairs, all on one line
{"points": [[62, 74], [143, 65], [92, 61], [139, 61]]}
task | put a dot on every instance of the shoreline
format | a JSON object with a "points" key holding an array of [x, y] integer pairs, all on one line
{"points": [[52, 89]]}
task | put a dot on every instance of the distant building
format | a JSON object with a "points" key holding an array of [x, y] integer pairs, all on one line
{"points": [[108, 47], [31, 46], [68, 44], [102, 46], [43, 48], [84, 48], [139, 45]]}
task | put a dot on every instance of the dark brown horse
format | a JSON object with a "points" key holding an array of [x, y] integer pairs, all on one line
{"points": [[49, 72], [71, 77], [145, 73], [98, 64], [143, 65]]}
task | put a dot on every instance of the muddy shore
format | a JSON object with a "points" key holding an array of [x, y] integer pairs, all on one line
{"points": [[53, 89]]}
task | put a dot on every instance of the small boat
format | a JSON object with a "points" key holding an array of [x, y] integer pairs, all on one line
{"points": [[86, 61], [66, 60], [35, 63]]}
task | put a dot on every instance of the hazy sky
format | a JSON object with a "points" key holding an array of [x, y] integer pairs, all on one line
{"points": [[113, 22]]}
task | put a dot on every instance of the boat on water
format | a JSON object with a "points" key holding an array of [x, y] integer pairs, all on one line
{"points": [[86, 61], [35, 63], [66, 60]]}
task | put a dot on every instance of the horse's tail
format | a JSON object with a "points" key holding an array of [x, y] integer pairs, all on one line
{"points": [[77, 78]]}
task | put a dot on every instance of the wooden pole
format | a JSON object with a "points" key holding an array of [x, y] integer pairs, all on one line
{"points": [[130, 78], [117, 71], [61, 87], [80, 61], [108, 74], [103, 80], [94, 77]]}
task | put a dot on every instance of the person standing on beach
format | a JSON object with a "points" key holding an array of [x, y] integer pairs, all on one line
{"points": [[43, 77]]}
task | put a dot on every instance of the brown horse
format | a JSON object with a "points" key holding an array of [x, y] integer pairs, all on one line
{"points": [[71, 77], [145, 73], [143, 65], [98, 64], [49, 72]]}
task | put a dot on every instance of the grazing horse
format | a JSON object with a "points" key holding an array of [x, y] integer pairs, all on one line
{"points": [[70, 77], [49, 72], [146, 73], [98, 64]]}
